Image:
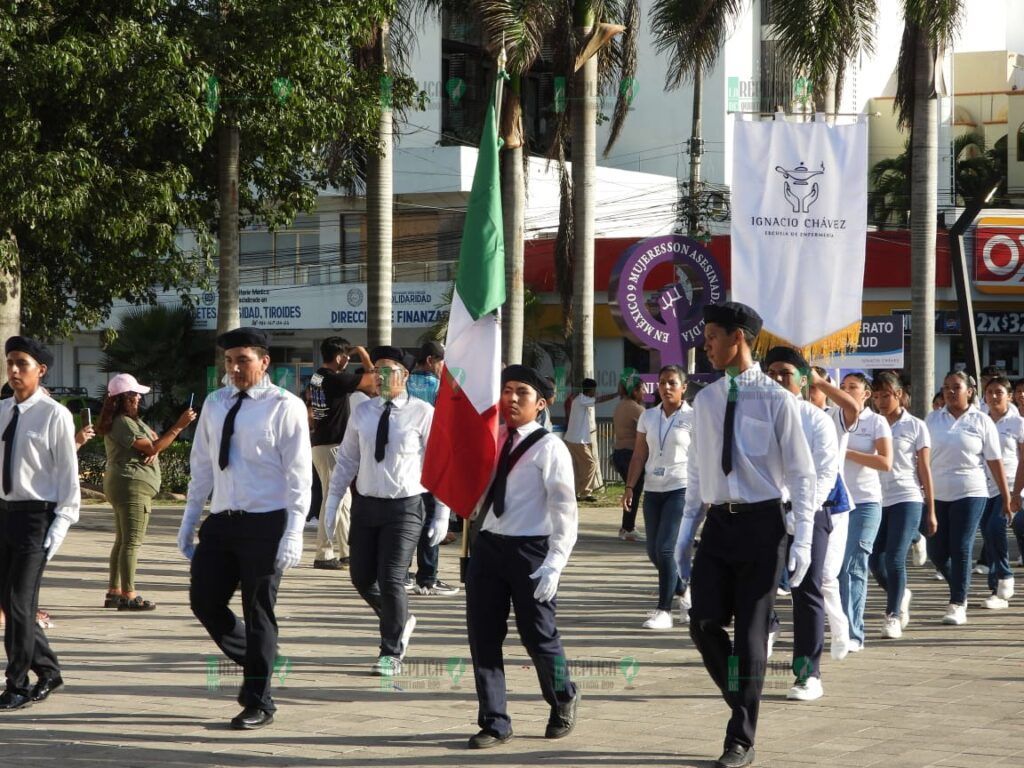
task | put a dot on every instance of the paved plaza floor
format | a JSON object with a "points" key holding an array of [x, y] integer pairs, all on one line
{"points": [[150, 689]]}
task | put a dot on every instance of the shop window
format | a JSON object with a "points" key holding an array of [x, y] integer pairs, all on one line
{"points": [[1020, 143]]}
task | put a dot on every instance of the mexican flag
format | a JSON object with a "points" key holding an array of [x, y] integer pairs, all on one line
{"points": [[462, 449]]}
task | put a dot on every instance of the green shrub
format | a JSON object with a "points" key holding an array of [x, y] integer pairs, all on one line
{"points": [[174, 465]]}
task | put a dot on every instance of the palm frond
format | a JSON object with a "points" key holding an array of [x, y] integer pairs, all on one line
{"points": [[518, 24], [625, 51], [692, 33], [563, 246]]}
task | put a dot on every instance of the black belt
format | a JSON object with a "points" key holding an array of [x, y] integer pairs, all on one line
{"points": [[733, 508], [504, 537], [242, 512], [27, 506]]}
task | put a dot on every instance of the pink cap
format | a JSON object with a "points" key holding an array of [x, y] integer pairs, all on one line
{"points": [[125, 382]]}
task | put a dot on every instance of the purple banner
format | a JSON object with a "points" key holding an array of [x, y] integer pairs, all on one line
{"points": [[666, 318]]}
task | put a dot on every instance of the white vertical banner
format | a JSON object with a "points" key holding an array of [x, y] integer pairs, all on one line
{"points": [[799, 227]]}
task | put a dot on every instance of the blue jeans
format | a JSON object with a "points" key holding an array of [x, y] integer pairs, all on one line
{"points": [[853, 577], [951, 547], [663, 511], [995, 544], [888, 561], [1018, 530]]}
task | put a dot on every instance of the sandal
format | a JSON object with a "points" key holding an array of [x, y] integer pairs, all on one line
{"points": [[135, 604], [111, 600], [43, 620]]}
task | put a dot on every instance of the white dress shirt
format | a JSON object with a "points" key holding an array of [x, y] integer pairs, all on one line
{"points": [[960, 448], [668, 445], [398, 476], [1011, 437], [540, 496], [824, 445], [45, 462], [770, 452], [901, 484], [582, 422], [270, 464], [864, 484]]}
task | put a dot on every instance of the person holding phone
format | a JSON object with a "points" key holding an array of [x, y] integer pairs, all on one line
{"points": [[130, 481]]}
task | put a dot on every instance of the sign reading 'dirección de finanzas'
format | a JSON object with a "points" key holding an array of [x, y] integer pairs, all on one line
{"points": [[666, 318], [311, 307]]}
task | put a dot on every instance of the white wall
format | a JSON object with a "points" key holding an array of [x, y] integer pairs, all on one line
{"points": [[423, 128]]}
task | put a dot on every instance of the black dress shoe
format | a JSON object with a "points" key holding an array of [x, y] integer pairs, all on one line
{"points": [[11, 700], [327, 565], [46, 685], [735, 756], [487, 739], [563, 719], [251, 718]]}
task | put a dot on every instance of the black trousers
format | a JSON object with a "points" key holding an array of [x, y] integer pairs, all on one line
{"points": [[621, 457], [22, 561], [499, 576], [809, 605], [427, 557], [735, 574], [234, 551], [382, 539]]}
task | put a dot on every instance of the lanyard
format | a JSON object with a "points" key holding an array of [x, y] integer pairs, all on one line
{"points": [[662, 436]]}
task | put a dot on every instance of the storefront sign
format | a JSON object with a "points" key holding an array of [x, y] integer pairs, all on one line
{"points": [[999, 254], [995, 322], [880, 345], [664, 312]]}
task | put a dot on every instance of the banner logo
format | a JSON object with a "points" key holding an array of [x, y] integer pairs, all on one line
{"points": [[999, 255], [798, 194]]}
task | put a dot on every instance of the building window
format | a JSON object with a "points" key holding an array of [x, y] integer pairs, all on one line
{"points": [[1020, 144], [283, 257]]}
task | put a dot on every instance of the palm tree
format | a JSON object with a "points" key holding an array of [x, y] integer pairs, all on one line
{"points": [[930, 26], [889, 195]]}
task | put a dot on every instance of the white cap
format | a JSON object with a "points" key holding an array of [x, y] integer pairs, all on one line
{"points": [[125, 382]]}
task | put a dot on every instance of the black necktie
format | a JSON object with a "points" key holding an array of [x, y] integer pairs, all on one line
{"points": [[382, 432], [12, 426], [229, 430], [501, 476], [730, 420]]}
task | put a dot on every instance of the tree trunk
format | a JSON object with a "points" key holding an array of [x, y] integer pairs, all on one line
{"points": [[10, 295], [696, 150], [513, 206], [923, 212], [584, 159], [228, 143], [379, 212]]}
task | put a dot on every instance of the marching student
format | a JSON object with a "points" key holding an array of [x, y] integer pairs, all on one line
{"points": [[964, 441], [579, 438], [789, 368], [1010, 426], [659, 454], [907, 501], [382, 451], [40, 500], [746, 448], [527, 529], [868, 452], [252, 453], [625, 419]]}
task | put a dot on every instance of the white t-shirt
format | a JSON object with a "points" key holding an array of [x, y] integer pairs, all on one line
{"points": [[668, 441], [960, 448], [581, 420], [842, 432], [1011, 435], [901, 484], [863, 482]]}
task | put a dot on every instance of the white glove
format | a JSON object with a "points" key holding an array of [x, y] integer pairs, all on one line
{"points": [[437, 530], [799, 563], [289, 551], [55, 535], [187, 533], [331, 516], [684, 547], [790, 523], [547, 583]]}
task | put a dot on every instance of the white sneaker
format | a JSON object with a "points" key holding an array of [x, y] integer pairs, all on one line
{"points": [[955, 614], [919, 552], [809, 691], [684, 607], [994, 603], [1020, 561], [905, 609], [312, 525], [780, 592], [633, 535], [387, 666], [893, 627], [1004, 588], [855, 646], [658, 620], [840, 648], [939, 576], [771, 642], [403, 643], [981, 569]]}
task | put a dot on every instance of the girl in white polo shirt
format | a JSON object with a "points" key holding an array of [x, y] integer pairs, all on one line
{"points": [[662, 442], [1010, 426], [906, 499], [964, 441], [868, 452]]}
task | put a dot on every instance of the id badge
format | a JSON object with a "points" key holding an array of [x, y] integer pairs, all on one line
{"points": [[659, 472]]}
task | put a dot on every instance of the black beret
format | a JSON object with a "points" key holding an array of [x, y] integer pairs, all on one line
{"points": [[243, 337], [733, 314], [431, 349], [387, 353], [528, 375], [789, 355], [589, 384], [35, 349]]}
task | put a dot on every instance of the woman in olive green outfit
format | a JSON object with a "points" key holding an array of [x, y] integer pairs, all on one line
{"points": [[131, 480]]}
